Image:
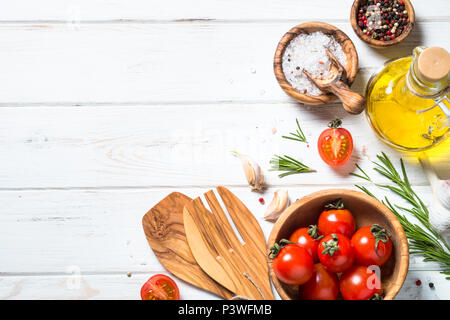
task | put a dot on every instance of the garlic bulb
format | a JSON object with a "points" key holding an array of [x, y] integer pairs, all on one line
{"points": [[278, 204], [439, 212], [439, 215], [253, 172]]}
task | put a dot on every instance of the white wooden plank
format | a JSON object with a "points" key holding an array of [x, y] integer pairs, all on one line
{"points": [[151, 63], [81, 287], [121, 287], [410, 290], [50, 232], [188, 145], [197, 9]]}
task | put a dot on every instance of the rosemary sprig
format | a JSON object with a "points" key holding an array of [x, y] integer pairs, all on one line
{"points": [[288, 164], [423, 240], [298, 135]]}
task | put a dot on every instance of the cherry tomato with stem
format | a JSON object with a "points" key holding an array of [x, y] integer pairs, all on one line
{"points": [[360, 283], [335, 252], [323, 285], [292, 264], [307, 238], [335, 144], [336, 219], [372, 245], [160, 287]]}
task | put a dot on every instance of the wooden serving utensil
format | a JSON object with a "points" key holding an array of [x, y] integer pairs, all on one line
{"points": [[352, 101], [240, 267], [164, 230]]}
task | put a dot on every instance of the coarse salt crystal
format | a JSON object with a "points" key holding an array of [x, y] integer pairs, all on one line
{"points": [[307, 51]]}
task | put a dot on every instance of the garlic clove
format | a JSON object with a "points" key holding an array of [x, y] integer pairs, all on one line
{"points": [[278, 204], [253, 172]]}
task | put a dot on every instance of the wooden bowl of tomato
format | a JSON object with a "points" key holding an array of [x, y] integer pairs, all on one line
{"points": [[329, 240]]}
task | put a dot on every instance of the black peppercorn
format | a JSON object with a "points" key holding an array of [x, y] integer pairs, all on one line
{"points": [[382, 16]]}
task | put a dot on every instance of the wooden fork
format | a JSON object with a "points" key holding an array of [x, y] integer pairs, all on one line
{"points": [[240, 267]]}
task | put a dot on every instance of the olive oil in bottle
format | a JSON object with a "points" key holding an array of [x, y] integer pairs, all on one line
{"points": [[407, 102]]}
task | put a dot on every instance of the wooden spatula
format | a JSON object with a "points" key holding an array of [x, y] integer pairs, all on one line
{"points": [[164, 230], [352, 101], [240, 267]]}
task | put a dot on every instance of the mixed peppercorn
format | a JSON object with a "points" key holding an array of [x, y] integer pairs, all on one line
{"points": [[383, 19]]}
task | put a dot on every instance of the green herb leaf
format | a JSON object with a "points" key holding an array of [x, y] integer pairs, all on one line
{"points": [[289, 165], [298, 135]]}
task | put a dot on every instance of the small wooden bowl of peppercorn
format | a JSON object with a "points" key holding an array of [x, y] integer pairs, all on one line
{"points": [[366, 211], [348, 48], [382, 23]]}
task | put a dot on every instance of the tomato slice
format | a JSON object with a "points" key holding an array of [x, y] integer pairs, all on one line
{"points": [[335, 144], [160, 287]]}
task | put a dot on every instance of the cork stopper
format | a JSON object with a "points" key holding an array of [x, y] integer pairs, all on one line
{"points": [[434, 64]]}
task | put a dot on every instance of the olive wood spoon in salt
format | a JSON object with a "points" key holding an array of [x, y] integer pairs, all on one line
{"points": [[352, 101]]}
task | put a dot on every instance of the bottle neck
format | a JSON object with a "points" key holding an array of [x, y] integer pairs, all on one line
{"points": [[422, 88]]}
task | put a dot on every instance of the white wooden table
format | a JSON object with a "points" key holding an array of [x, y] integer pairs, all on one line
{"points": [[106, 106]]}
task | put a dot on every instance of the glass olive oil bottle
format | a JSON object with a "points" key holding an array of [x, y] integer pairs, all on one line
{"points": [[407, 101]]}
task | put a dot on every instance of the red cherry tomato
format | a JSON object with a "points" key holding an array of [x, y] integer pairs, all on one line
{"points": [[307, 238], [335, 252], [160, 287], [372, 245], [323, 285], [336, 219], [292, 264], [335, 144], [360, 283]]}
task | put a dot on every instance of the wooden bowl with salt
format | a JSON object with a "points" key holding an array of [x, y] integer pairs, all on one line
{"points": [[366, 210], [306, 28]]}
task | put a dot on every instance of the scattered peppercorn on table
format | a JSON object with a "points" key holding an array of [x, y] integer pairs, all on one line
{"points": [[107, 107]]}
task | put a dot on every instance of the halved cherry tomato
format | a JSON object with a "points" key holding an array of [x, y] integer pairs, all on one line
{"points": [[335, 252], [336, 219], [323, 285], [360, 283], [292, 264], [160, 287], [307, 238], [335, 144], [372, 245]]}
